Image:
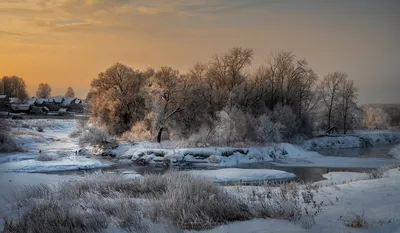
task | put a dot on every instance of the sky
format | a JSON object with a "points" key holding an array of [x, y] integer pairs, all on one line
{"points": [[68, 42]]}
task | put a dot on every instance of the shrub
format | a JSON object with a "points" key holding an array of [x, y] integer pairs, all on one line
{"points": [[355, 220], [288, 201], [100, 200], [7, 144], [80, 125], [95, 137], [194, 202], [44, 157]]}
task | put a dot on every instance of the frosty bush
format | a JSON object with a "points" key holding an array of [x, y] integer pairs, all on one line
{"points": [[7, 144], [155, 203], [95, 137], [268, 131], [288, 201]]}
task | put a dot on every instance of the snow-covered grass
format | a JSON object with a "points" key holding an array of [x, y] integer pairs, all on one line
{"points": [[347, 199], [103, 200], [395, 152]]}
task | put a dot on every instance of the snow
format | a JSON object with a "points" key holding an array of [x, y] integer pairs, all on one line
{"points": [[53, 142], [63, 164], [242, 175], [335, 178], [395, 152], [376, 199], [355, 140]]}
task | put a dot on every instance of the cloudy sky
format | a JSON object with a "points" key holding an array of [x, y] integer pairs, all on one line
{"points": [[68, 42]]}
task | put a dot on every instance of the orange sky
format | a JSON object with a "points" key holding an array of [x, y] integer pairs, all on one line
{"points": [[68, 42]]}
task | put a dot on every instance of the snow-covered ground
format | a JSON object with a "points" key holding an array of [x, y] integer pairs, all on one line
{"points": [[226, 175], [53, 143], [353, 140], [376, 200], [395, 152]]}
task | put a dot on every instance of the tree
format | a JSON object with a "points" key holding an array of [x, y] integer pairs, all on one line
{"points": [[13, 86], [347, 108], [117, 97], [167, 92], [70, 93], [44, 90], [329, 91], [376, 117]]}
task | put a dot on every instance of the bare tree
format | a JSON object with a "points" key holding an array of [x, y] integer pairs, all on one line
{"points": [[167, 90], [330, 89], [70, 92], [44, 90], [347, 108], [13, 86]]}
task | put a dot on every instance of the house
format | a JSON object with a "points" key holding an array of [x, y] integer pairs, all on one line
{"points": [[4, 99], [15, 101], [37, 110], [21, 108], [76, 106], [4, 103], [62, 111]]}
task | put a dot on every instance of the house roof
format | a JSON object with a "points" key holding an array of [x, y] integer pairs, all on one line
{"points": [[41, 100], [3, 96], [15, 100], [46, 109], [62, 110], [23, 107], [68, 100], [78, 101], [57, 99]]}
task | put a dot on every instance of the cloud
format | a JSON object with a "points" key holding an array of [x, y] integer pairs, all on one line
{"points": [[147, 10], [9, 33]]}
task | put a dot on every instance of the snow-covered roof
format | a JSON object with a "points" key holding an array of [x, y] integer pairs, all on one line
{"points": [[62, 110], [46, 109], [57, 99], [41, 100], [30, 101], [68, 100], [3, 96], [78, 101], [23, 107], [15, 100]]}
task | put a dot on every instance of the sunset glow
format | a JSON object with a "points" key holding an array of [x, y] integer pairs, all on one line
{"points": [[68, 42]]}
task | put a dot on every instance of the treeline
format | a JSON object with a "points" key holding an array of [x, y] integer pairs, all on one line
{"points": [[223, 102], [15, 87]]}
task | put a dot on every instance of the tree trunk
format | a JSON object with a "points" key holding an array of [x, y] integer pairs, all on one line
{"points": [[159, 134]]}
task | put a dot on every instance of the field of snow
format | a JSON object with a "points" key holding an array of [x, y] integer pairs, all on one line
{"points": [[375, 200], [235, 175], [53, 142]]}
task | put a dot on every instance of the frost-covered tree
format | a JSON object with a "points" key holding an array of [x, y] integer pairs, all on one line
{"points": [[117, 97], [43, 91], [70, 92], [167, 93], [13, 86], [376, 118]]}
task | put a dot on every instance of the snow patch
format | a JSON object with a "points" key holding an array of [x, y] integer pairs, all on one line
{"points": [[242, 175], [395, 152]]}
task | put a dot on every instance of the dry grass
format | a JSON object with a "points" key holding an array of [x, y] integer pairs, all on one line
{"points": [[100, 200], [382, 171], [7, 143], [356, 221]]}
